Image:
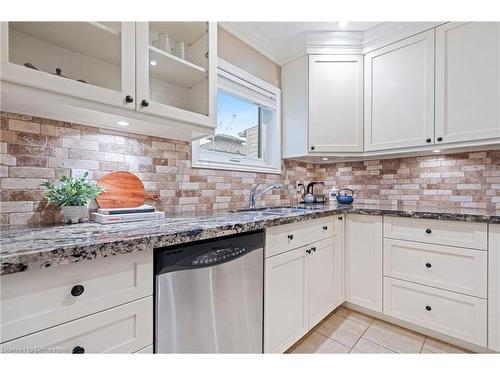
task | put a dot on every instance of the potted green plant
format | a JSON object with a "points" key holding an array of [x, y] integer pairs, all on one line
{"points": [[72, 196]]}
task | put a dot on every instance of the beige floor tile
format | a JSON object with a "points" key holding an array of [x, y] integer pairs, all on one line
{"points": [[316, 343], [435, 346], [340, 329], [394, 338], [354, 315], [367, 347]]}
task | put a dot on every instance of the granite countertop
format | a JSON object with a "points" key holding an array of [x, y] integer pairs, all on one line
{"points": [[24, 248]]}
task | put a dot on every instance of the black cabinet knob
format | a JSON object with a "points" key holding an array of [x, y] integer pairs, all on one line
{"points": [[314, 248], [325, 227], [428, 231], [428, 140], [308, 251], [312, 147], [129, 99], [290, 236], [144, 103], [428, 265], [428, 308], [439, 139], [77, 290], [78, 350], [340, 218]]}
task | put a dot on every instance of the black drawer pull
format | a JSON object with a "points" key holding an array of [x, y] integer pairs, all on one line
{"points": [[308, 251], [428, 140], [428, 308], [78, 350], [428, 231], [428, 265], [77, 290], [439, 139], [314, 248], [290, 236], [325, 227], [340, 218]]}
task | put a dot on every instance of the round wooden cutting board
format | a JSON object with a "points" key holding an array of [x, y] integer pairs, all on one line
{"points": [[122, 190]]}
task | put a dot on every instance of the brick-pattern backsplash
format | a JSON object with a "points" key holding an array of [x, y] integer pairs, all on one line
{"points": [[35, 149], [464, 180]]}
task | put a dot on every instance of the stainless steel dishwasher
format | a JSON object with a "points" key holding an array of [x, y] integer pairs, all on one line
{"points": [[209, 296]]}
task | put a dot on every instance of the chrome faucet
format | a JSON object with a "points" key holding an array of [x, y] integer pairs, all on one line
{"points": [[254, 195]]}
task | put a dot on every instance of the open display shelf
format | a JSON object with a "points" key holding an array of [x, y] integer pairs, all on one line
{"points": [[96, 39], [172, 69]]}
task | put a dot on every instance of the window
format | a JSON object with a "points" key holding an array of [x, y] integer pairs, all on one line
{"points": [[247, 137]]}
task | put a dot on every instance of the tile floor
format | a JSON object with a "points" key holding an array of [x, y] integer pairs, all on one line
{"points": [[347, 331]]}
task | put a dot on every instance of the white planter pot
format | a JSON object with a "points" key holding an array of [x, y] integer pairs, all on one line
{"points": [[73, 214]]}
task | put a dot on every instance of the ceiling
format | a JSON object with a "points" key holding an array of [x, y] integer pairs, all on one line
{"points": [[285, 41]]}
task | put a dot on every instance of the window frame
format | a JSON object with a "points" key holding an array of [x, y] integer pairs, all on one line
{"points": [[271, 161]]}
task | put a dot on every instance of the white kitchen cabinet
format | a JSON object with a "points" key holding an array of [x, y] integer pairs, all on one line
{"points": [[322, 105], [399, 94], [301, 287], [285, 299], [467, 81], [335, 103], [363, 258], [172, 86], [87, 60], [494, 287]]}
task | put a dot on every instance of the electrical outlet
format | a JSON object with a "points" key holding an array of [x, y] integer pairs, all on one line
{"points": [[75, 173]]}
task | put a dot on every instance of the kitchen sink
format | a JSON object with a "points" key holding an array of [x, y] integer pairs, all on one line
{"points": [[279, 210]]}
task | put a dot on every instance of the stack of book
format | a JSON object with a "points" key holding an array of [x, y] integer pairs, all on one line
{"points": [[121, 215]]}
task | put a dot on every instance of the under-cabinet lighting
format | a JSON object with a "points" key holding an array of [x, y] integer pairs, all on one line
{"points": [[123, 123], [343, 24], [153, 62], [436, 151], [325, 159]]}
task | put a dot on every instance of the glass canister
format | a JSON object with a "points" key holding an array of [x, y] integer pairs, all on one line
{"points": [[164, 42], [180, 49]]}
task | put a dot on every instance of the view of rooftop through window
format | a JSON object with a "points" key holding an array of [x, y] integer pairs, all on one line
{"points": [[238, 127]]}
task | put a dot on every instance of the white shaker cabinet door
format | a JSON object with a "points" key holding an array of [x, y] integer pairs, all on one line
{"points": [[335, 103], [494, 288], [467, 81], [399, 94], [322, 279], [364, 261], [285, 299]]}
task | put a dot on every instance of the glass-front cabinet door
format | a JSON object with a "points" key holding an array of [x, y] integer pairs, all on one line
{"points": [[89, 60], [177, 70]]}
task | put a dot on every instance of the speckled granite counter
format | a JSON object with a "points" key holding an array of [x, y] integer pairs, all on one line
{"points": [[29, 248]]}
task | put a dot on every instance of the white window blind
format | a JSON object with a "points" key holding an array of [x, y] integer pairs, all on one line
{"points": [[246, 90]]}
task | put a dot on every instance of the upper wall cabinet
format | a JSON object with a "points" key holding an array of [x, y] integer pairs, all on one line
{"points": [[88, 60], [322, 105], [176, 70], [467, 81], [399, 94], [157, 77], [335, 103]]}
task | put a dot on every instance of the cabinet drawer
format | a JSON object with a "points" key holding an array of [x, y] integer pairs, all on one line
{"points": [[39, 299], [450, 233], [123, 329], [452, 268], [290, 236], [446, 312]]}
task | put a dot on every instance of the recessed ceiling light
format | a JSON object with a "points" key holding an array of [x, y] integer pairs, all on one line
{"points": [[153, 62], [343, 24], [123, 123], [436, 151], [325, 159]]}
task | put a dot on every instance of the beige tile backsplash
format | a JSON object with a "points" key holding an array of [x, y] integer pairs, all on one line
{"points": [[34, 149]]}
